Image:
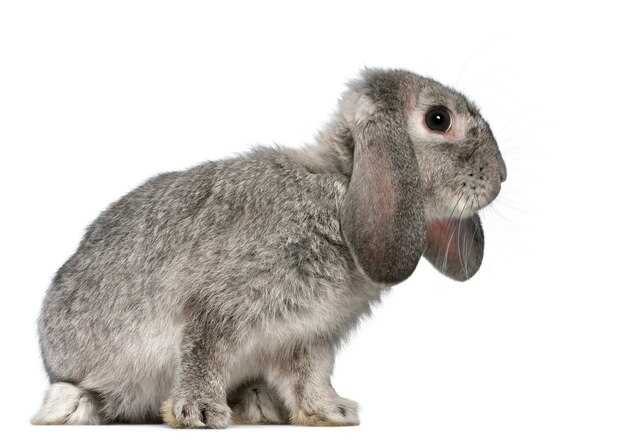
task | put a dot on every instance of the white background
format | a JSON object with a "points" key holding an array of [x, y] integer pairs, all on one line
{"points": [[96, 97]]}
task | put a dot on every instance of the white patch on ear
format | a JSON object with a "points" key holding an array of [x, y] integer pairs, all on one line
{"points": [[356, 108]]}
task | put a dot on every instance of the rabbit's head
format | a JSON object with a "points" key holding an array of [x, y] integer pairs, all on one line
{"points": [[423, 163]]}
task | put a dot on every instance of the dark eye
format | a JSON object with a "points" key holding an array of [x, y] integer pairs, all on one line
{"points": [[438, 119]]}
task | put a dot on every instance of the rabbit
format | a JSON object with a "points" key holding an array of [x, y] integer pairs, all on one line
{"points": [[220, 294]]}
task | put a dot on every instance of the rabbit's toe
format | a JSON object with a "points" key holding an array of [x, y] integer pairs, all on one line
{"points": [[337, 412], [195, 413]]}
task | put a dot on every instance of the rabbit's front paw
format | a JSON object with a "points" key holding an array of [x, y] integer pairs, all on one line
{"points": [[336, 412], [195, 413]]}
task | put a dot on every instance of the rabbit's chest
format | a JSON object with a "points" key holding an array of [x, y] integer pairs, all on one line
{"points": [[268, 341]]}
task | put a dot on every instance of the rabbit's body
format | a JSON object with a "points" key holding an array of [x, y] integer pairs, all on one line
{"points": [[210, 239], [222, 292]]}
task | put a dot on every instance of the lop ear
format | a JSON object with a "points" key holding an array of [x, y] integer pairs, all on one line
{"points": [[455, 247], [382, 216]]}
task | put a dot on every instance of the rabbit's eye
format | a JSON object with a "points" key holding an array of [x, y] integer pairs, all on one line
{"points": [[438, 119]]}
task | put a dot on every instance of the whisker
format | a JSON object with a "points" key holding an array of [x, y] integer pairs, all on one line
{"points": [[507, 226], [448, 225], [496, 228], [489, 42], [510, 205], [472, 241], [459, 197], [519, 151], [458, 237], [502, 90], [483, 75], [495, 105], [516, 119], [528, 142], [526, 174], [526, 129], [449, 221]]}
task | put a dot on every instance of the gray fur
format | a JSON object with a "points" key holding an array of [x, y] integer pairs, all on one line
{"points": [[255, 268]]}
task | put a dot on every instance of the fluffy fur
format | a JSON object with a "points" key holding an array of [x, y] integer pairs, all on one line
{"points": [[221, 293]]}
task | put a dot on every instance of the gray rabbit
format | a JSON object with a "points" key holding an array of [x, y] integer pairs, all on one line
{"points": [[220, 294]]}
